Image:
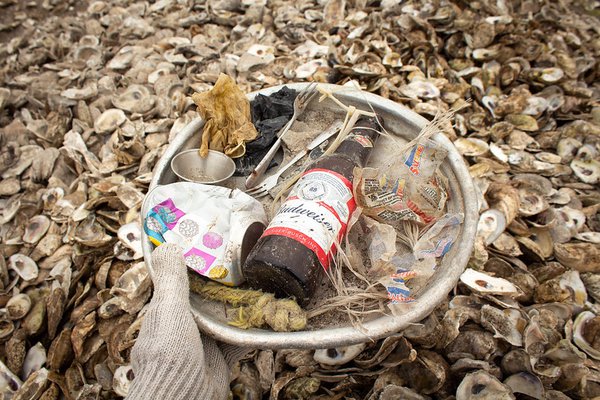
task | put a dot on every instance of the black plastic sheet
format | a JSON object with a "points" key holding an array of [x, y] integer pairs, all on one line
{"points": [[269, 115]]}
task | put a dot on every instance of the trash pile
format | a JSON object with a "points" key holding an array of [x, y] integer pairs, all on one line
{"points": [[91, 94], [315, 217]]}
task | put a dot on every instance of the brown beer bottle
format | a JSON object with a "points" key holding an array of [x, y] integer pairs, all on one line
{"points": [[291, 255]]}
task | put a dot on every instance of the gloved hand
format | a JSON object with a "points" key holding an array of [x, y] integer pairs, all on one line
{"points": [[170, 359]]}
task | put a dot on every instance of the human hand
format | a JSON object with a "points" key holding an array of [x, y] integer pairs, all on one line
{"points": [[169, 358]]}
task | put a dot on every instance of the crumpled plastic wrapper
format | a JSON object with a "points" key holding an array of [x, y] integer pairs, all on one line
{"points": [[228, 123], [208, 222], [382, 247], [407, 189], [439, 238], [421, 264], [394, 269]]}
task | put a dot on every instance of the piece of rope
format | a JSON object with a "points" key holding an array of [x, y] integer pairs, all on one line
{"points": [[254, 308]]}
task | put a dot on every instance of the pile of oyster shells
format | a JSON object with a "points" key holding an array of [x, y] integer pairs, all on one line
{"points": [[90, 98]]}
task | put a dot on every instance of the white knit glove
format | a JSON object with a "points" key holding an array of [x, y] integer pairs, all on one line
{"points": [[169, 358]]}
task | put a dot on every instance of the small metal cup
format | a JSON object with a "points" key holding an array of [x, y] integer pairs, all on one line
{"points": [[216, 167]]}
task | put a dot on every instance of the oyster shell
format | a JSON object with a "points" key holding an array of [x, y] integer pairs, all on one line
{"points": [[592, 284], [483, 283], [526, 383], [8, 381], [420, 89], [24, 266], [84, 93], [122, 380], [7, 327], [34, 360], [585, 330], [131, 236], [504, 198], [34, 386], [481, 385], [135, 99], [109, 120], [338, 356], [516, 361], [471, 146], [478, 345], [583, 257], [393, 350], [18, 306], [301, 388], [15, 351], [591, 237], [427, 374], [587, 171], [531, 203], [36, 229], [565, 352], [60, 352], [396, 392], [506, 324], [10, 186]]}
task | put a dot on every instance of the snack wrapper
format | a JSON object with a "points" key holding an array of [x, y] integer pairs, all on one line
{"points": [[407, 189], [396, 287], [422, 159], [208, 222]]}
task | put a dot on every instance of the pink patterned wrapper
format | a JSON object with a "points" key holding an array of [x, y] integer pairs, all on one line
{"points": [[168, 213], [198, 260]]}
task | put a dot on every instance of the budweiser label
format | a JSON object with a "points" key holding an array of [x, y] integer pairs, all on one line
{"points": [[316, 212]]}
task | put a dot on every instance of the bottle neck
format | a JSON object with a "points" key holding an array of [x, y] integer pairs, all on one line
{"points": [[360, 141]]}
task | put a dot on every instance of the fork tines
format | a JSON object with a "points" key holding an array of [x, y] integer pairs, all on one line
{"points": [[257, 191], [308, 92]]}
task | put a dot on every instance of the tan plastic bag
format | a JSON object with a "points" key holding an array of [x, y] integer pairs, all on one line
{"points": [[226, 111]]}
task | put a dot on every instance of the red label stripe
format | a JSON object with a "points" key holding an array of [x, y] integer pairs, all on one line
{"points": [[303, 239], [351, 205], [332, 211]]}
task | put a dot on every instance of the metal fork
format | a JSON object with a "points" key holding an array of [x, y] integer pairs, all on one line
{"points": [[270, 182], [300, 103]]}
